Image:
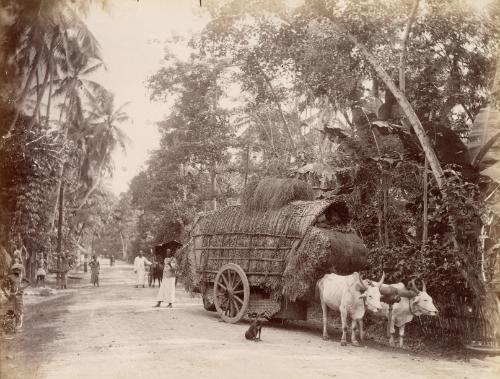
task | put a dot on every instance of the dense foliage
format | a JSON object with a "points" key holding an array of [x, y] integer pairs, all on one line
{"points": [[58, 130]]}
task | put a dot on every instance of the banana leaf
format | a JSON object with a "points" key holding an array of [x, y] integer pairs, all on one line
{"points": [[484, 143]]}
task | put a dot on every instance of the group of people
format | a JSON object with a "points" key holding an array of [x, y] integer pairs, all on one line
{"points": [[15, 282], [166, 293]]}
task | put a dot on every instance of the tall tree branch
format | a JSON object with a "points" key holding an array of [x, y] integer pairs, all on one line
{"points": [[406, 107], [402, 56]]}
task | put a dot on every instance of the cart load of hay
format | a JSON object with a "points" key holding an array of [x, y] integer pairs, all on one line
{"points": [[282, 239]]}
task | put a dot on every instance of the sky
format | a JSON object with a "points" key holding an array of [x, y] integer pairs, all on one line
{"points": [[132, 36]]}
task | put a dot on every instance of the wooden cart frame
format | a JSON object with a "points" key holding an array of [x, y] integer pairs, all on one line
{"points": [[240, 262]]}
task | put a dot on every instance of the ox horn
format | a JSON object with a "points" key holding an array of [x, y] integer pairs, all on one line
{"points": [[361, 282], [423, 286], [381, 279], [413, 286]]}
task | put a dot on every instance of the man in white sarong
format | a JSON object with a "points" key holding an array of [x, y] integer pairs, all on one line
{"points": [[166, 292], [140, 263]]}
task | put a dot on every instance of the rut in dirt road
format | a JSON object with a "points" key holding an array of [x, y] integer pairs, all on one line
{"points": [[114, 332]]}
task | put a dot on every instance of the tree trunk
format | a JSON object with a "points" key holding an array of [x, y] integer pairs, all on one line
{"points": [[45, 81], [123, 245], [375, 89], [51, 83], [89, 192], [213, 177], [247, 162], [35, 113], [406, 107], [402, 57], [380, 222], [58, 191], [425, 218], [59, 234], [24, 93], [385, 189]]}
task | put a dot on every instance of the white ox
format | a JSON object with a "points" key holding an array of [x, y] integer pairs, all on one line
{"points": [[349, 295], [412, 303]]}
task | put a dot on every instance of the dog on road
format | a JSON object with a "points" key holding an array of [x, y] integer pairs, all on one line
{"points": [[253, 332]]}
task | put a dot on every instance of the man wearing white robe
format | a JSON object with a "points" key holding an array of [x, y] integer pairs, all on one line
{"points": [[140, 263]]}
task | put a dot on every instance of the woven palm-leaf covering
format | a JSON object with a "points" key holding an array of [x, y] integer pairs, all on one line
{"points": [[320, 252], [280, 250]]}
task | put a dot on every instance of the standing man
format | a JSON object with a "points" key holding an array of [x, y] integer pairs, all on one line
{"points": [[85, 263], [167, 288], [94, 269], [140, 263]]}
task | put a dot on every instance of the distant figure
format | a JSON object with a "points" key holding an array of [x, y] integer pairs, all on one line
{"points": [[41, 273], [94, 269], [167, 288], [140, 263], [85, 263], [18, 263], [111, 260], [13, 288], [64, 271]]}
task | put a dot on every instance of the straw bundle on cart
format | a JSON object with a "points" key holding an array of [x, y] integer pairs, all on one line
{"points": [[281, 246]]}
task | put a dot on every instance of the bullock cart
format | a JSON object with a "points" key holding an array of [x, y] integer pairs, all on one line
{"points": [[267, 262]]}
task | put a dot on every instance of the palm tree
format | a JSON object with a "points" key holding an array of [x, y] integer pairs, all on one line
{"points": [[78, 92], [38, 32], [103, 138]]}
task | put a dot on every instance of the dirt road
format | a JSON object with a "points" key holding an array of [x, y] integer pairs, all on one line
{"points": [[113, 332]]}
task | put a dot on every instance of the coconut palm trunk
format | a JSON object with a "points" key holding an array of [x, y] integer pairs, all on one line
{"points": [[44, 84], [24, 93]]}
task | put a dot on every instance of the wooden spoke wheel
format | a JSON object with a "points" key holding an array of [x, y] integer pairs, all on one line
{"points": [[231, 293]]}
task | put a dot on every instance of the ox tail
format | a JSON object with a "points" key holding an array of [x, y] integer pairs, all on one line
{"points": [[316, 292]]}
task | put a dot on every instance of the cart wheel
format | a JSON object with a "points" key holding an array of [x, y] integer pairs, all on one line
{"points": [[231, 293]]}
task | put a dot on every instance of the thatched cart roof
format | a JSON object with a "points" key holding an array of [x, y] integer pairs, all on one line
{"points": [[281, 250], [292, 220]]}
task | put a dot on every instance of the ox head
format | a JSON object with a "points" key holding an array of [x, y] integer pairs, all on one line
{"points": [[422, 303], [371, 294]]}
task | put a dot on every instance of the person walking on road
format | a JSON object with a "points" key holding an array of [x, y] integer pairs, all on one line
{"points": [[140, 263], [94, 269], [167, 288], [41, 273]]}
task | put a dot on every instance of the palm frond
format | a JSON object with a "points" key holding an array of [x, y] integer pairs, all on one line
{"points": [[93, 68], [120, 109], [483, 138]]}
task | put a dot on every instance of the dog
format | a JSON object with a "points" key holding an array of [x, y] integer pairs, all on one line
{"points": [[253, 332]]}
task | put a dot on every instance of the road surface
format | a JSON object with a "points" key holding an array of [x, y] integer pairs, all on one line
{"points": [[113, 332]]}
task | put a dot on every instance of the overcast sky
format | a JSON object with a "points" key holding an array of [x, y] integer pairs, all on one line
{"points": [[132, 35]]}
